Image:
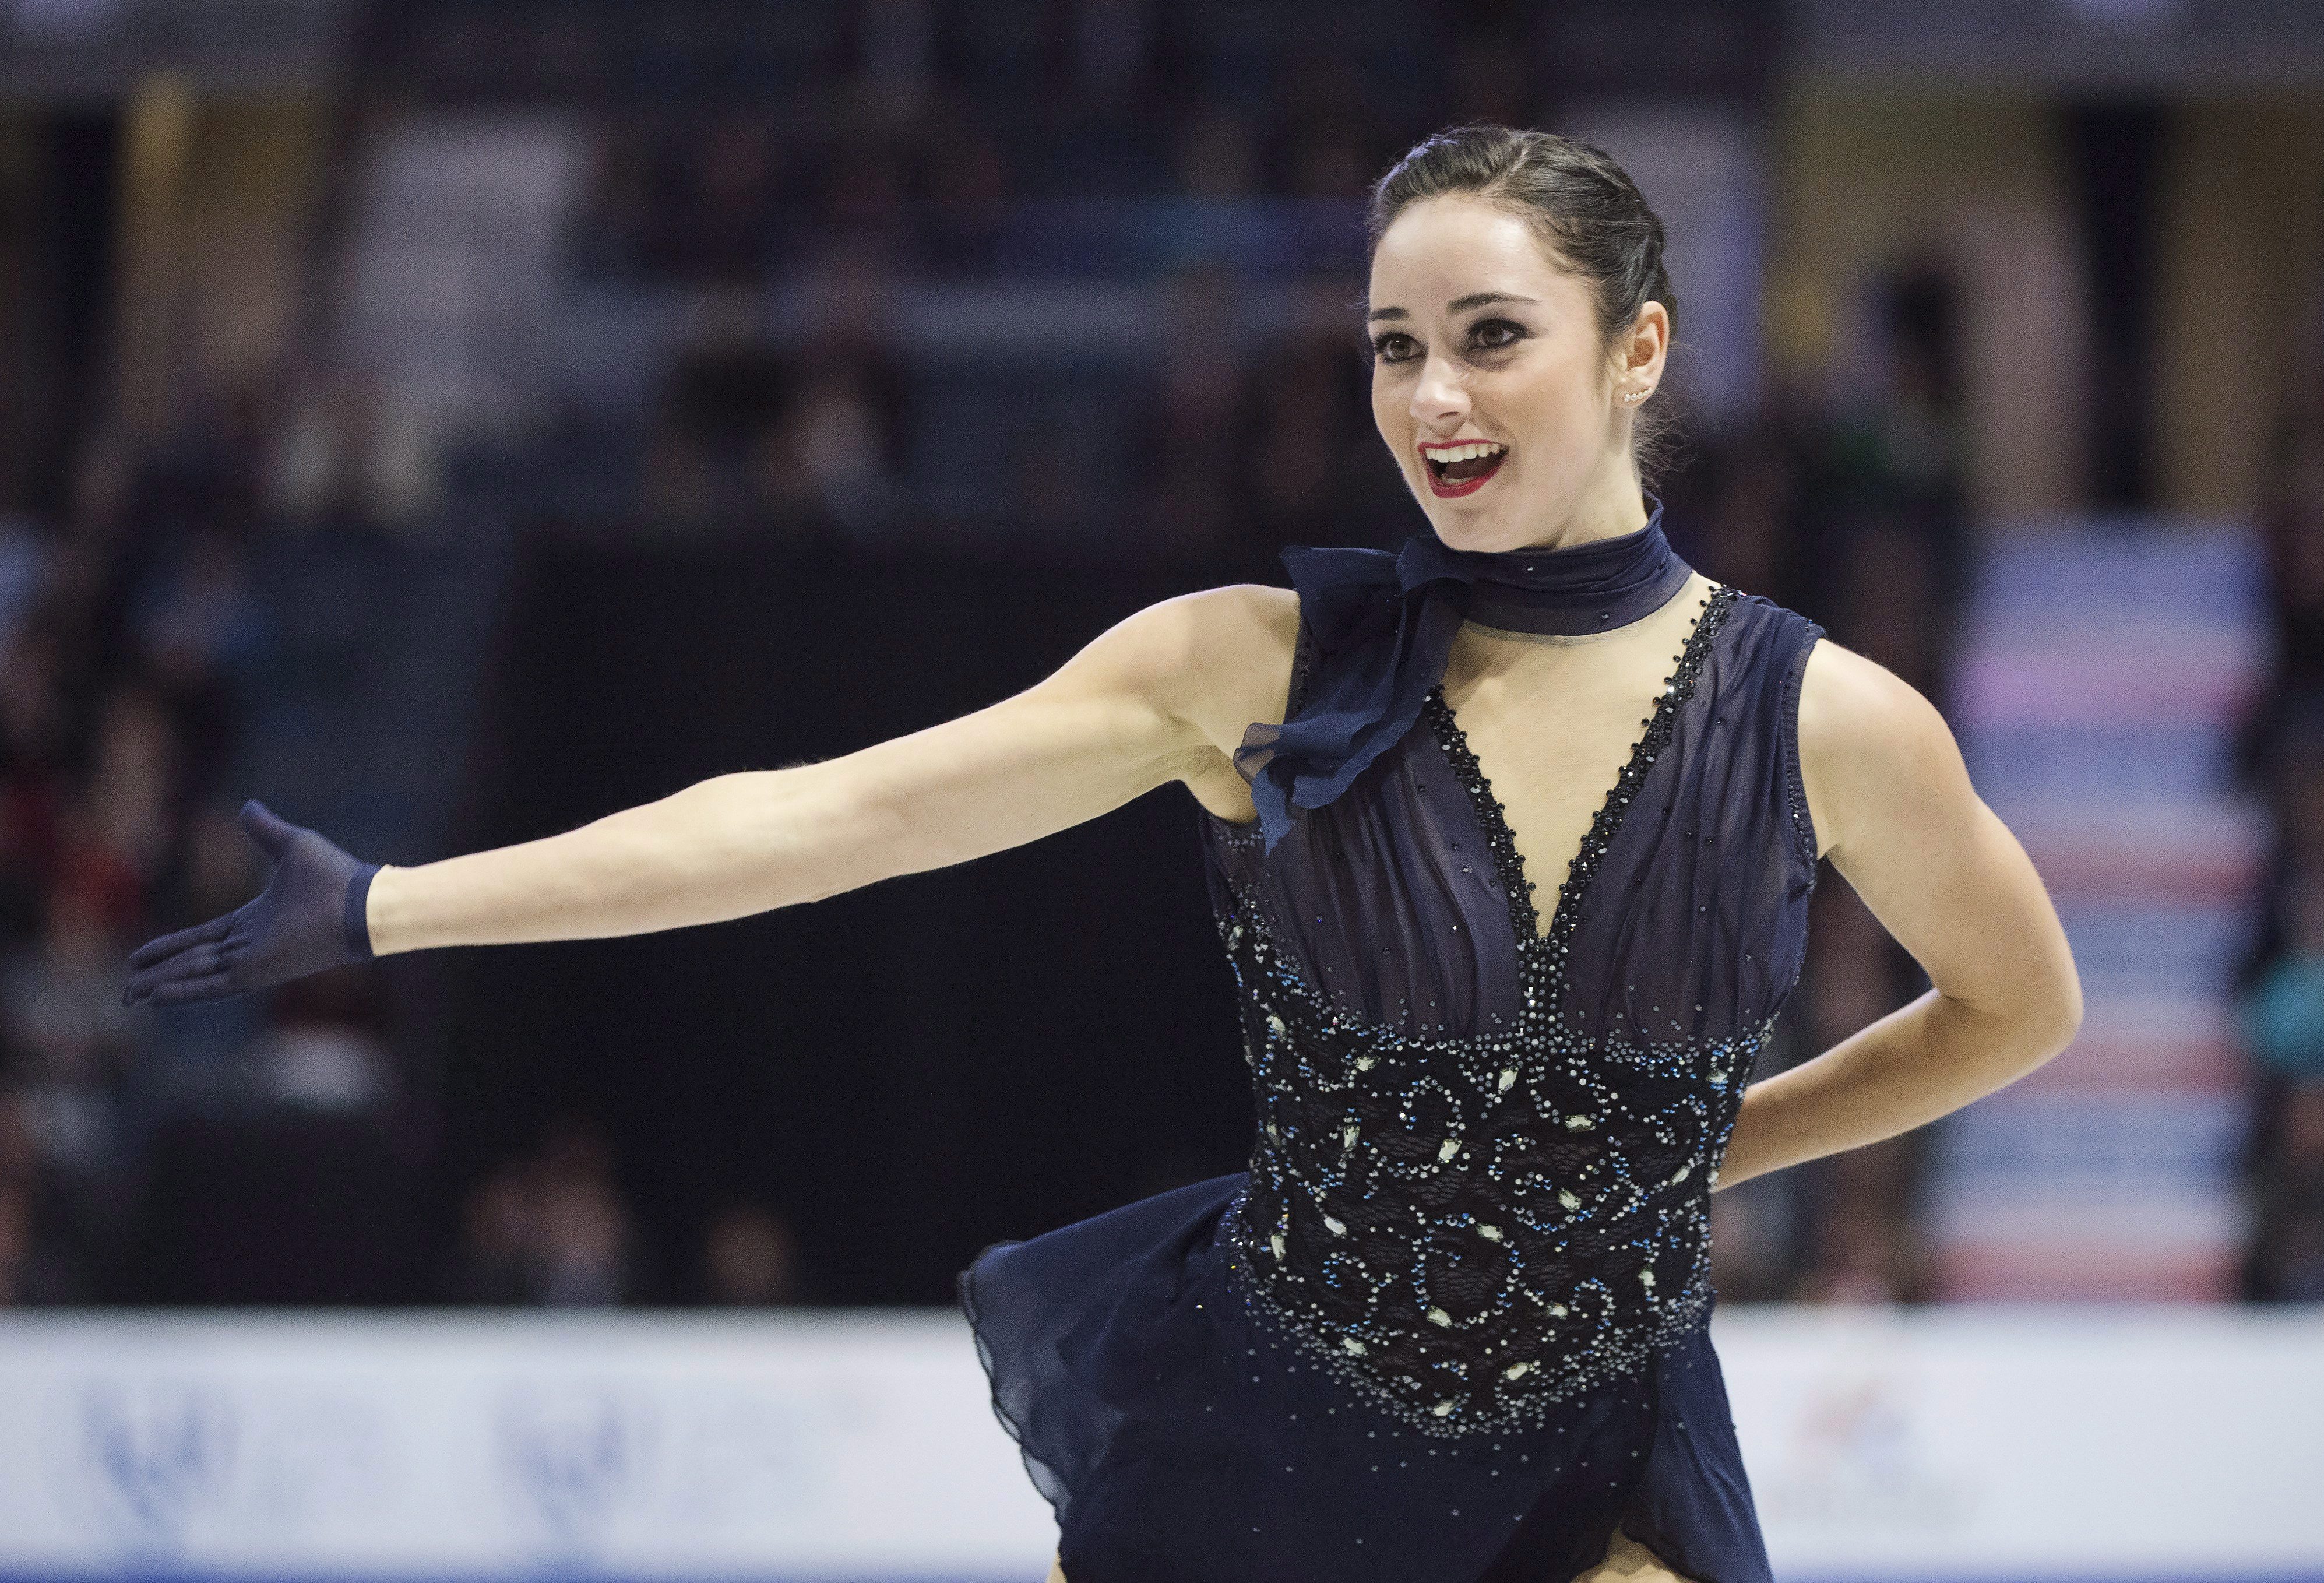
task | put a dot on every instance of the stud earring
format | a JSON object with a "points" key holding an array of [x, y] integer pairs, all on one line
{"points": [[1632, 395]]}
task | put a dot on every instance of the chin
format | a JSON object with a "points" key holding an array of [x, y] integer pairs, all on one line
{"points": [[1466, 530], [1457, 537]]}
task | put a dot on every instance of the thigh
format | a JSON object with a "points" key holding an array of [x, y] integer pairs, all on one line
{"points": [[1629, 1561]]}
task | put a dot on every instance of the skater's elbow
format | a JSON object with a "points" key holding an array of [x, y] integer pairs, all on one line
{"points": [[2030, 1008], [2052, 1014], [2032, 987]]}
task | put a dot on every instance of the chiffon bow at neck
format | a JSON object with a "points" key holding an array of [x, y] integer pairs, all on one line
{"points": [[1381, 624]]}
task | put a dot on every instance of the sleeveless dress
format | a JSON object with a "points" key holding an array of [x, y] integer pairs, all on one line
{"points": [[1451, 1321]]}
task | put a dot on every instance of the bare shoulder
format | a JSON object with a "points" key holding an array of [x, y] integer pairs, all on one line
{"points": [[1869, 737], [1222, 656], [1250, 621], [1187, 675]]}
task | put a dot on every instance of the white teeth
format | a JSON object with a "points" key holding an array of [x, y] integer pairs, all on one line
{"points": [[1461, 453]]}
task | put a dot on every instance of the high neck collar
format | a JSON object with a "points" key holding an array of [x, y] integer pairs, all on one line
{"points": [[1567, 591]]}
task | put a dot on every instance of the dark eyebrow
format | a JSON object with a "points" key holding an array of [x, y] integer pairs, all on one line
{"points": [[1458, 305]]}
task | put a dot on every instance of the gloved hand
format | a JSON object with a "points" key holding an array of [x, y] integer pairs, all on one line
{"points": [[309, 917]]}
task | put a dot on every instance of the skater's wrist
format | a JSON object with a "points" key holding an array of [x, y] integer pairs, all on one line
{"points": [[384, 912]]}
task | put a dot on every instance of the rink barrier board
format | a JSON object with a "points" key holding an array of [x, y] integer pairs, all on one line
{"points": [[2061, 1442]]}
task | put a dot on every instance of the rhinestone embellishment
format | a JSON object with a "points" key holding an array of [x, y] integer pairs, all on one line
{"points": [[1469, 1230]]}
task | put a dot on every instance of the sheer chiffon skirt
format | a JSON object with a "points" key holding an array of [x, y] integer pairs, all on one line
{"points": [[1180, 1433]]}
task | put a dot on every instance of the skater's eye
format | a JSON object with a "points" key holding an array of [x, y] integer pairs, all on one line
{"points": [[1381, 344], [1487, 335], [1478, 332]]}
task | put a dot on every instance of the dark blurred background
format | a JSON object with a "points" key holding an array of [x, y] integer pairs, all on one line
{"points": [[452, 422]]}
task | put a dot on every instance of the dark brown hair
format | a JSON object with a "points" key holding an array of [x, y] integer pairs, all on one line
{"points": [[1588, 213]]}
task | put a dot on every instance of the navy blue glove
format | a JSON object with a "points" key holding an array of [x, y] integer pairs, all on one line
{"points": [[309, 917]]}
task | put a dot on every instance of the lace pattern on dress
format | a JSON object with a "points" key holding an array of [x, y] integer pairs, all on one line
{"points": [[1470, 1230]]}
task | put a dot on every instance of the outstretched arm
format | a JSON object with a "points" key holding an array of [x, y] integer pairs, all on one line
{"points": [[1164, 695], [1888, 792]]}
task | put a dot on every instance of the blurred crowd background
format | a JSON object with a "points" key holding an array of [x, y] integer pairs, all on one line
{"points": [[454, 420]]}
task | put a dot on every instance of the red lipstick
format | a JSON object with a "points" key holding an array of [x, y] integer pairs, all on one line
{"points": [[1444, 490]]}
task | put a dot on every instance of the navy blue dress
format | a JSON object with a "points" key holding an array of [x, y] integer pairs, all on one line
{"points": [[1451, 1323]]}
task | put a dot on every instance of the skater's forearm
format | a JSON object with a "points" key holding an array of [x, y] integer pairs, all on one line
{"points": [[1921, 1062], [726, 848]]}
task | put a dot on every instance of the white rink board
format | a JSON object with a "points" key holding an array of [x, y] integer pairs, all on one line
{"points": [[2032, 1441], [620, 1445], [1988, 1443]]}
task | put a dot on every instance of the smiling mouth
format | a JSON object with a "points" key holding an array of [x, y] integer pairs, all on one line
{"points": [[1447, 479]]}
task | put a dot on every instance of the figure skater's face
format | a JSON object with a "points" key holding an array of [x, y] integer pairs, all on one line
{"points": [[1478, 334]]}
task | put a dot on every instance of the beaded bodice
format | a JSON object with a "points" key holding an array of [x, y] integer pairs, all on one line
{"points": [[1481, 1180]]}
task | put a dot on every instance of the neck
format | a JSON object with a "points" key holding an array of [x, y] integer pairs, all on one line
{"points": [[1592, 586], [1605, 511], [1583, 526]]}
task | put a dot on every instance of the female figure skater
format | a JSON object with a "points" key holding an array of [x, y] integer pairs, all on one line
{"points": [[1451, 1324]]}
